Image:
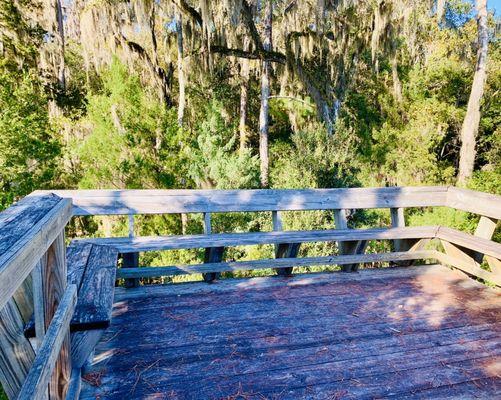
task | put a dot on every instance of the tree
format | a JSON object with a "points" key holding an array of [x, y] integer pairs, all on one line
{"points": [[180, 69], [471, 121], [265, 95]]}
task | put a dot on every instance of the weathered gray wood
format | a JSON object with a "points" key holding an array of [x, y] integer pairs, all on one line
{"points": [[77, 255], [75, 385], [38, 319], [16, 353], [471, 242], [130, 260], [467, 267], [152, 272], [207, 224], [19, 259], [286, 250], [485, 229], [54, 282], [270, 282], [475, 202], [283, 250], [95, 297], [108, 202], [213, 255], [206, 346], [92, 269], [82, 345], [348, 247], [45, 361], [398, 220], [153, 243], [131, 225]]}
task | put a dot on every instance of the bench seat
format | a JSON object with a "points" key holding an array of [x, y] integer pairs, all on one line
{"points": [[174, 242], [92, 268]]}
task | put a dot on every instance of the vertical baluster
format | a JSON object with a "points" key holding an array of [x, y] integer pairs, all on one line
{"points": [[131, 260], [348, 247], [398, 221]]}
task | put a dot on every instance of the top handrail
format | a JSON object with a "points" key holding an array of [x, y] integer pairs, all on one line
{"points": [[27, 229], [137, 201]]}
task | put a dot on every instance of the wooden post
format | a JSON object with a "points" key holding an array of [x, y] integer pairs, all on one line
{"points": [[212, 254], [348, 247], [398, 221], [283, 250], [485, 229], [131, 260]]}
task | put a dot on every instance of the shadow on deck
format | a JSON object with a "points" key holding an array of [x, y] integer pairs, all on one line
{"points": [[417, 332]]}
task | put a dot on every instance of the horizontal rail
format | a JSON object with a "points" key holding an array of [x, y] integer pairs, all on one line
{"points": [[123, 202], [475, 202], [174, 242], [154, 272], [36, 383], [19, 259], [476, 243]]}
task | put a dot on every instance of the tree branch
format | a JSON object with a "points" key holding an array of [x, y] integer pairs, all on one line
{"points": [[189, 10], [249, 22], [272, 56]]}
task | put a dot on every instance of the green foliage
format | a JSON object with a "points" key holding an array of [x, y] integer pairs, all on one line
{"points": [[315, 160], [213, 160], [133, 141], [29, 147]]}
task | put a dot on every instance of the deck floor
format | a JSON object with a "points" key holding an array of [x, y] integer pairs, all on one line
{"points": [[415, 333]]}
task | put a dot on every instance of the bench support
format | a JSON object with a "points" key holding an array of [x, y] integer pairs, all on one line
{"points": [[286, 250], [131, 260], [283, 250], [213, 255], [348, 247]]}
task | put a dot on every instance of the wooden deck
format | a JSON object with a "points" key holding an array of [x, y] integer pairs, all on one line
{"points": [[418, 332]]}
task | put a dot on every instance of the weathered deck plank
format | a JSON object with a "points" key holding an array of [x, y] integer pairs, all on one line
{"points": [[419, 332]]}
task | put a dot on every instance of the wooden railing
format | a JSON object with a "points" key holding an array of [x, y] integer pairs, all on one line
{"points": [[33, 282], [461, 250], [33, 267]]}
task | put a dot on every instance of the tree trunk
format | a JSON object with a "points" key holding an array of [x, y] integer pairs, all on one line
{"points": [[244, 95], [397, 85], [471, 121], [60, 31], [180, 70], [265, 94]]}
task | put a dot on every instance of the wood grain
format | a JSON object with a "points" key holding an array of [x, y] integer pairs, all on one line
{"points": [[36, 382], [152, 272], [27, 242], [153, 243], [475, 202], [16, 353], [95, 297], [122, 202], [372, 334]]}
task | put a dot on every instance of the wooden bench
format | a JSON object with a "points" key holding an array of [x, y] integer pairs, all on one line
{"points": [[92, 269]]}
